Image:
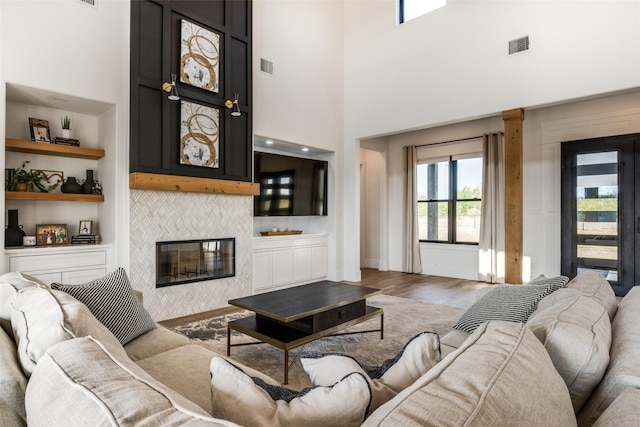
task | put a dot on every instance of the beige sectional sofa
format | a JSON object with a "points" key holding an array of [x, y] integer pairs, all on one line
{"points": [[59, 366]]}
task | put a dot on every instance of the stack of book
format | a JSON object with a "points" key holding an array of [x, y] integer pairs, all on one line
{"points": [[85, 239], [66, 141]]}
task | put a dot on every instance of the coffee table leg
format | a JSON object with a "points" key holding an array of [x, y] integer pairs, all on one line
{"points": [[382, 326], [228, 341], [286, 367]]}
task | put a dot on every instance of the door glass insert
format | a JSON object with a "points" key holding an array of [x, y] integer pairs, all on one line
{"points": [[597, 213]]}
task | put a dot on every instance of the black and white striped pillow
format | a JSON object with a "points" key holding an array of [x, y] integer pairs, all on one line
{"points": [[112, 301], [555, 283], [510, 303]]}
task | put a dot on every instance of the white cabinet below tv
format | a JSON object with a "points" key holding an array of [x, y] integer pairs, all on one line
{"points": [[283, 261]]}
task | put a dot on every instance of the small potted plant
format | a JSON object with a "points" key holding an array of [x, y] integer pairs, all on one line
{"points": [[22, 178], [66, 127]]}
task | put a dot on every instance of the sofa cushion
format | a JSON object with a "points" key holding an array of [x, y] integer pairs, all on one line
{"points": [[500, 376], [510, 303], [42, 317], [419, 355], [595, 286], [13, 382], [451, 341], [576, 332], [623, 412], [154, 342], [10, 284], [623, 370], [248, 401], [185, 370], [112, 301], [103, 388]]}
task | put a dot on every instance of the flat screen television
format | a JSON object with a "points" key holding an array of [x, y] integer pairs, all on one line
{"points": [[290, 186]]}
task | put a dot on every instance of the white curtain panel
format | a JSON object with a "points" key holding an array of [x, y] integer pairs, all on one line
{"points": [[412, 263], [491, 245]]}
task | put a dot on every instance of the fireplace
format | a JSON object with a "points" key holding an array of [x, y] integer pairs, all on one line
{"points": [[189, 261]]}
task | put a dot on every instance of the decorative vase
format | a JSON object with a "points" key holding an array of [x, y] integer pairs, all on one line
{"points": [[66, 133], [87, 187], [21, 186], [13, 234], [71, 186]]}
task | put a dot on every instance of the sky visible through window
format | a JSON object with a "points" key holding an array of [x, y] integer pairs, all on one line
{"points": [[416, 8]]}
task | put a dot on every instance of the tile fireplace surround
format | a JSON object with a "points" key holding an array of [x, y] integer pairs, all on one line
{"points": [[167, 215]]}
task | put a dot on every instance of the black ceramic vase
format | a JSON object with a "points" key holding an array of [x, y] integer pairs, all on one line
{"points": [[13, 234], [71, 186], [87, 187]]}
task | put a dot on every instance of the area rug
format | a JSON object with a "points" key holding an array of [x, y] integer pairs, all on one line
{"points": [[403, 319]]}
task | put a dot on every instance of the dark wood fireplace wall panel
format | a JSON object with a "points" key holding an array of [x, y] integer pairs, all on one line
{"points": [[155, 54]]}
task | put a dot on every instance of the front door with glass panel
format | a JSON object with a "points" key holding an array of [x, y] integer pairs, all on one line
{"points": [[600, 214]]}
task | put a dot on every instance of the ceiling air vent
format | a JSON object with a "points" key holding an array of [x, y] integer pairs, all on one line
{"points": [[519, 45], [266, 66], [92, 3]]}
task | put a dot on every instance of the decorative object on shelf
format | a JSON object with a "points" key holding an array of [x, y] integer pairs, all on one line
{"points": [[85, 227], [282, 232], [171, 88], [8, 175], [199, 135], [13, 234], [66, 141], [97, 188], [29, 241], [53, 178], [199, 56], [89, 183], [233, 105], [39, 130], [71, 186], [51, 234], [85, 239], [66, 127], [22, 178]]}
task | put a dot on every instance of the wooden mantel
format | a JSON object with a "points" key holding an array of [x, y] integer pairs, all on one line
{"points": [[152, 181]]}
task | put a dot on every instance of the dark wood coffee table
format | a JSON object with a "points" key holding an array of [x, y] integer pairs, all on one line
{"points": [[296, 316]]}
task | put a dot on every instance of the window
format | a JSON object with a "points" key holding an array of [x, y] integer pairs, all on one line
{"points": [[449, 199], [410, 9]]}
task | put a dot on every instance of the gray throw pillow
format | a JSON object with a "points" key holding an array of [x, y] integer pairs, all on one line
{"points": [[555, 283], [112, 301], [509, 303]]}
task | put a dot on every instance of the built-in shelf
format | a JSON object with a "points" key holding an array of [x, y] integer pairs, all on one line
{"points": [[22, 146], [60, 197], [152, 181]]}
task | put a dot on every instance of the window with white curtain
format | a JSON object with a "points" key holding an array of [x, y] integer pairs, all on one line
{"points": [[450, 198]]}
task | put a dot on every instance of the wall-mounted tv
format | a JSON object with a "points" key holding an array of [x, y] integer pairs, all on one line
{"points": [[289, 186]]}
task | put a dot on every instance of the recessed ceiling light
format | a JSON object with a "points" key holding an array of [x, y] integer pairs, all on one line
{"points": [[268, 142], [305, 149]]}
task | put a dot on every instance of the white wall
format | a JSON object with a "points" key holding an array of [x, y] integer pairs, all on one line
{"points": [[302, 102], [451, 66], [70, 48]]}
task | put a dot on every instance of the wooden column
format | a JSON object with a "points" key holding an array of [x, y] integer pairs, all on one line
{"points": [[513, 194]]}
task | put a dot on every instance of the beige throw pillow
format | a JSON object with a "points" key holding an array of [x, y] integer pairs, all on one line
{"points": [[43, 317]]}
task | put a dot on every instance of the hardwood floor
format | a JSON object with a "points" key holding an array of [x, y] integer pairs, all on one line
{"points": [[419, 287]]}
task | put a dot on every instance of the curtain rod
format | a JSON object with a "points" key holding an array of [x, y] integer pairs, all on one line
{"points": [[455, 140]]}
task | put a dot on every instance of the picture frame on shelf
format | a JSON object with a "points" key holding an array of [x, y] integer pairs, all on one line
{"points": [[86, 227], [39, 130], [51, 234]]}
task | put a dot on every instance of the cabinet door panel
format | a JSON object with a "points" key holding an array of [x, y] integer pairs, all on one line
{"points": [[82, 276], [57, 261], [282, 271], [301, 264], [262, 270], [318, 262]]}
